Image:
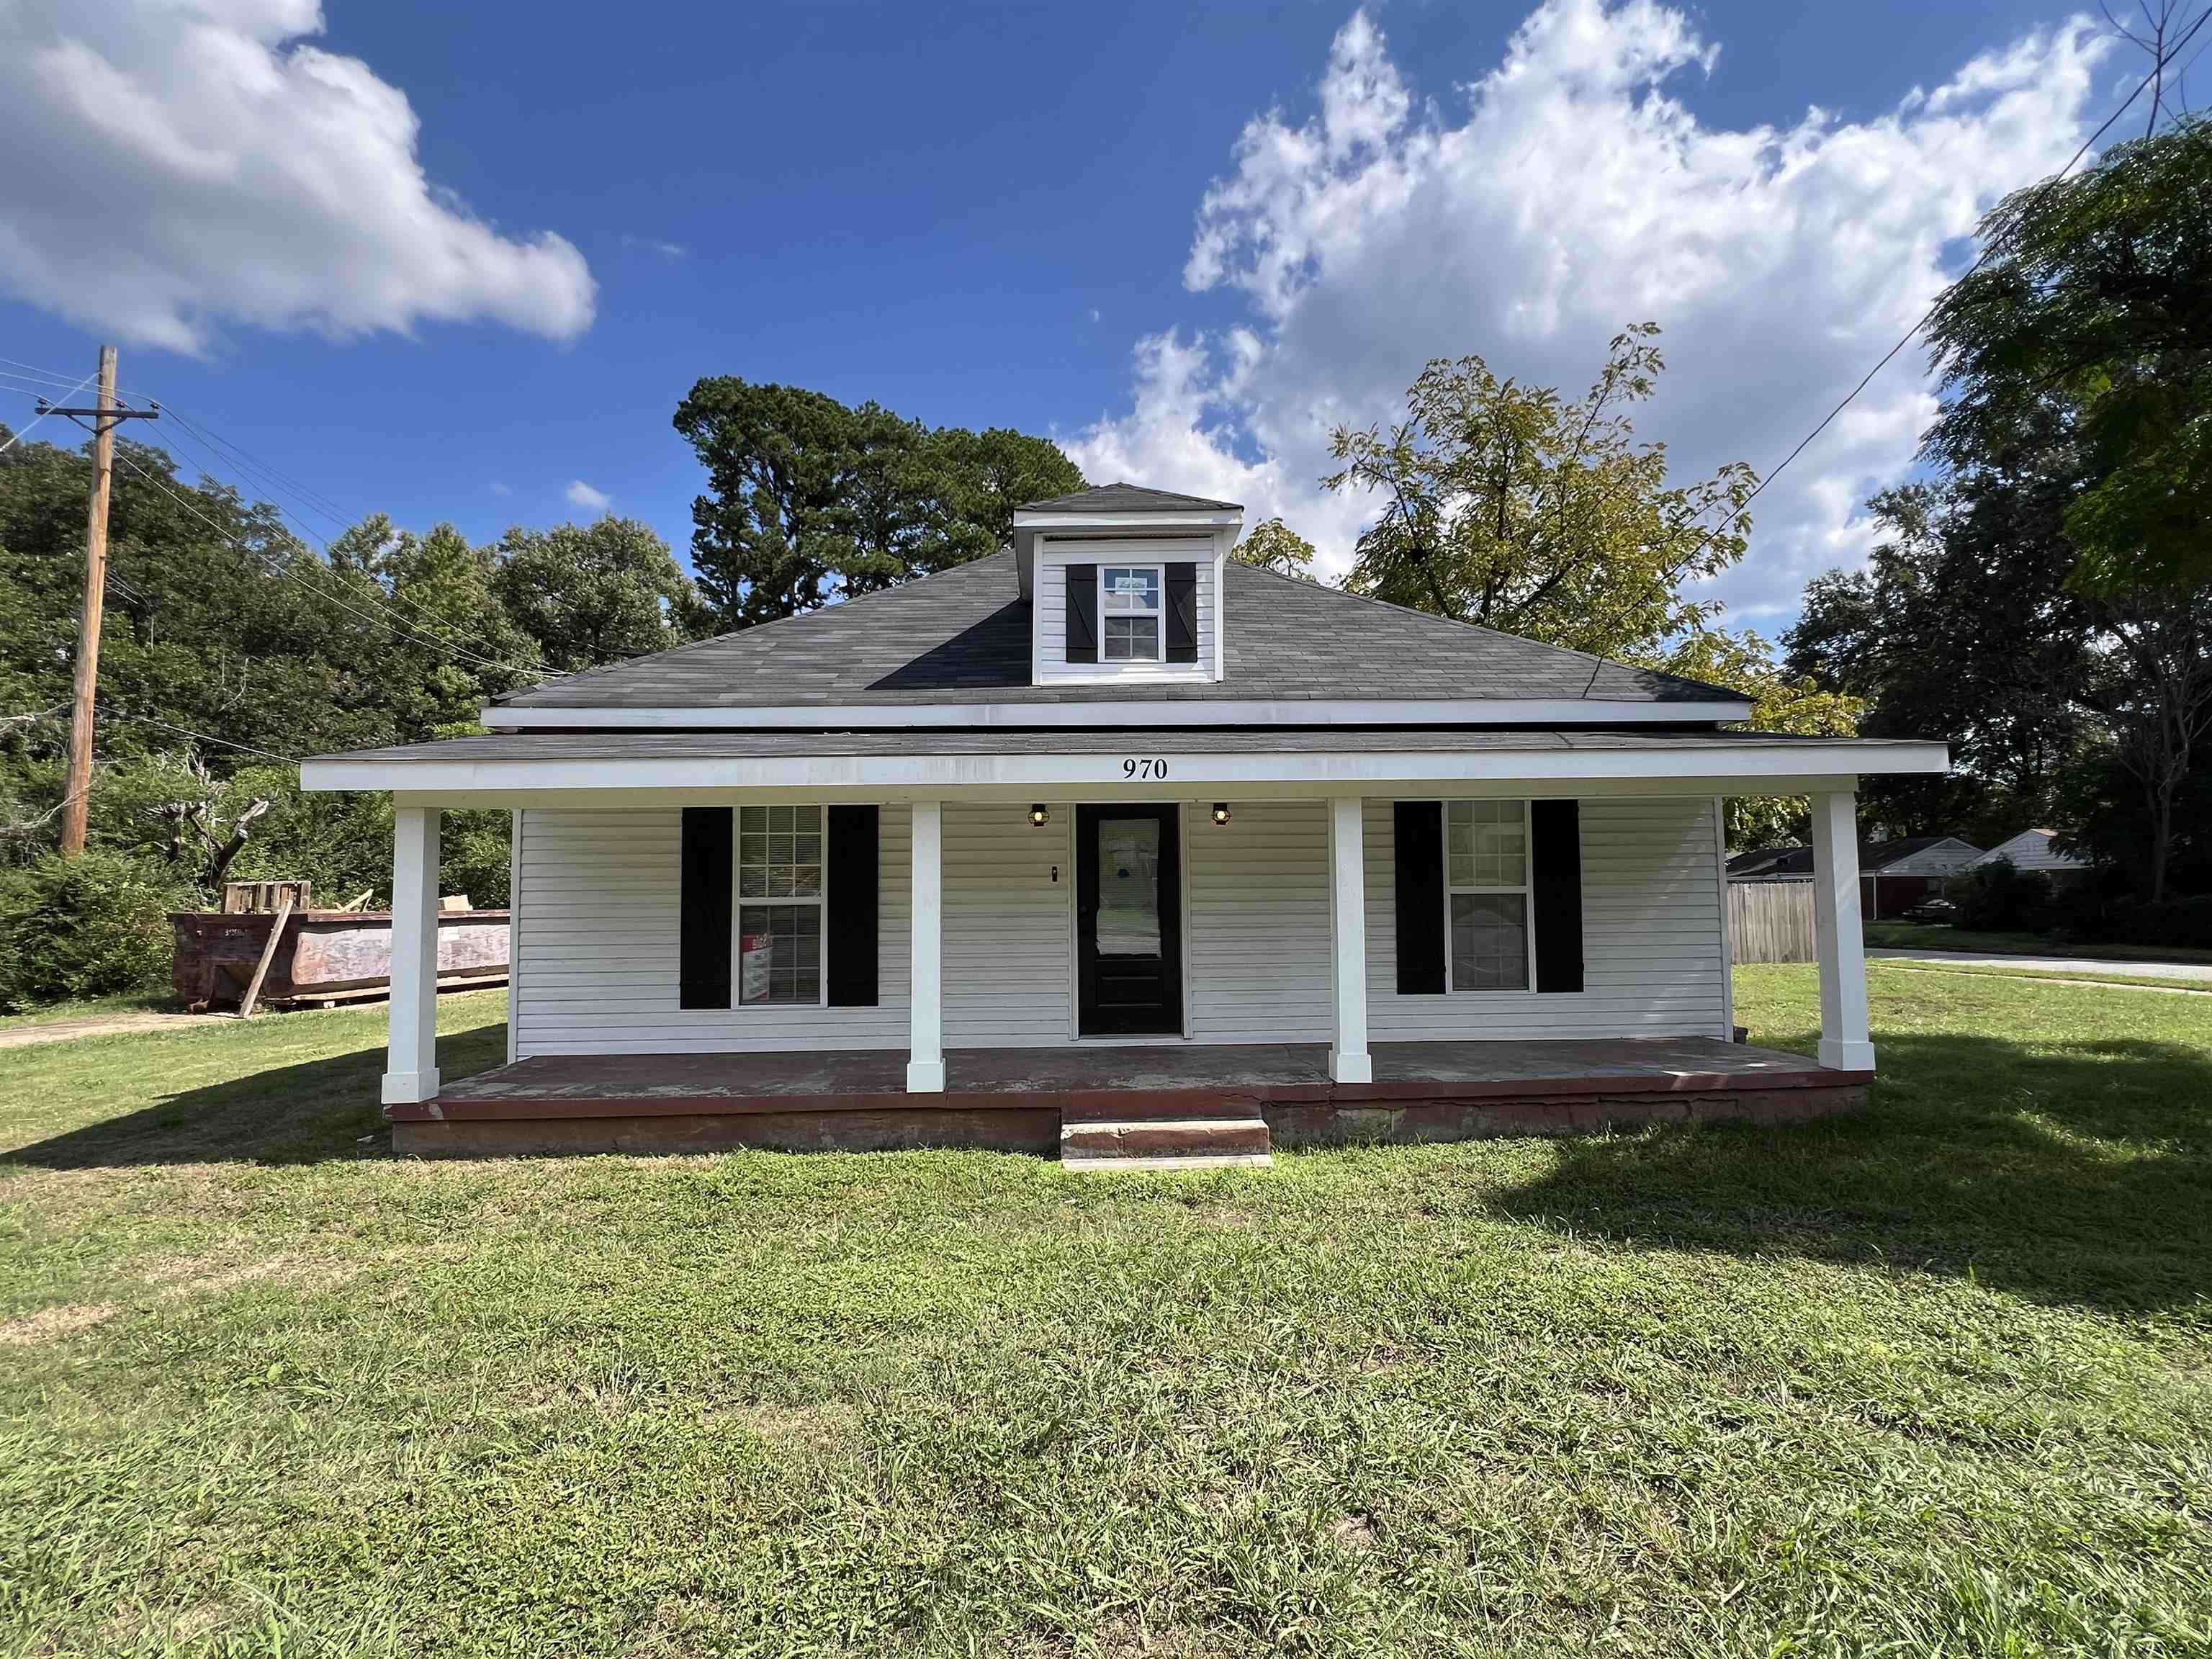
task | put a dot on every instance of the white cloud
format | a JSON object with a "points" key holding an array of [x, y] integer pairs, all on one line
{"points": [[654, 245], [173, 166], [1566, 193], [592, 500]]}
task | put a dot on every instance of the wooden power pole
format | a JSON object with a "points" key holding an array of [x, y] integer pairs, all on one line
{"points": [[105, 417]]}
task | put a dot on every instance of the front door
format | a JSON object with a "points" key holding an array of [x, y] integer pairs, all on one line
{"points": [[1128, 920]]}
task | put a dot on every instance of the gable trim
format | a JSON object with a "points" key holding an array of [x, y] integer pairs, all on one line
{"points": [[1132, 712]]}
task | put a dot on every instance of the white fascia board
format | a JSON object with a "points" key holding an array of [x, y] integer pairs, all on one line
{"points": [[1753, 770], [1143, 715], [1075, 523]]}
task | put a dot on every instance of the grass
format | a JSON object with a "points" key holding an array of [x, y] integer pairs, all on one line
{"points": [[1935, 1378], [1896, 935]]}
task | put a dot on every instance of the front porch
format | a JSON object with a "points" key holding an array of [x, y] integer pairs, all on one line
{"points": [[1118, 1103]]}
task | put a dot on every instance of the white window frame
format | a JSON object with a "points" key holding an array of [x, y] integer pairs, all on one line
{"points": [[1527, 890], [819, 900], [1159, 573]]}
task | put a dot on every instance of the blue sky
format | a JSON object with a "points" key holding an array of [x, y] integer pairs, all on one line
{"points": [[984, 216]]}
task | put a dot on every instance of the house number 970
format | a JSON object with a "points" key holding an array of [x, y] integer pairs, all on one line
{"points": [[1144, 769]]}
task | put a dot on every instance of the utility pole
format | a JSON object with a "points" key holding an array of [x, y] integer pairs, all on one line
{"points": [[105, 416]]}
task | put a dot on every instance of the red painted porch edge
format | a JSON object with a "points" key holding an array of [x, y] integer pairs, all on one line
{"points": [[1132, 1100]]}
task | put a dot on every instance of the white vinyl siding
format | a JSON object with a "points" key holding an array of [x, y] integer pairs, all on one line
{"points": [[1258, 903], [1009, 926], [1652, 955], [597, 946], [1053, 561], [597, 939]]}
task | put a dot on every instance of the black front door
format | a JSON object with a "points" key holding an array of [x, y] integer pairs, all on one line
{"points": [[1129, 921]]}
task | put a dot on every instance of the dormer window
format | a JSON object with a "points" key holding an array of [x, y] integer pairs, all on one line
{"points": [[1129, 606]]}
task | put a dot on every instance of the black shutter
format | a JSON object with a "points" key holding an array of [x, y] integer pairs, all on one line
{"points": [[850, 932], [1555, 832], [704, 955], [1083, 613], [1182, 612], [1420, 920]]}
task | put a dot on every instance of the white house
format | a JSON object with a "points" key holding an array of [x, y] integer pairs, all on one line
{"points": [[2034, 850], [1111, 843]]}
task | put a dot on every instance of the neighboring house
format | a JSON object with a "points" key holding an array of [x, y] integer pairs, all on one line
{"points": [[1894, 875], [2034, 850], [1111, 842]]}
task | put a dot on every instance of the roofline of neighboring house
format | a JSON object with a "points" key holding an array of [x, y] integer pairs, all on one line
{"points": [[1179, 712]]}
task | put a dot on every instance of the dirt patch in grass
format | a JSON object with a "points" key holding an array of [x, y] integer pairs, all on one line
{"points": [[187, 1275], [52, 1324]]}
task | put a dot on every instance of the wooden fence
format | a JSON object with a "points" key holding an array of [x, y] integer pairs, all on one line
{"points": [[1771, 920]]}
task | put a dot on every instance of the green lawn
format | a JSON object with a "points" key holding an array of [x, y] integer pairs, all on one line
{"points": [[1895, 935], [1936, 1378]]}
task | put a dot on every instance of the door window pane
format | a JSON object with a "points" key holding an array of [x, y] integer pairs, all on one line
{"points": [[1129, 887], [778, 953], [1490, 941]]}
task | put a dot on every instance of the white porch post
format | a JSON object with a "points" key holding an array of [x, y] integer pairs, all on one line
{"points": [[411, 1066], [1844, 1041], [1348, 1059], [924, 1061]]}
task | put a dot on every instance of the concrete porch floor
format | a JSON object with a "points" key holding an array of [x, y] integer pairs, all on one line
{"points": [[1019, 1099]]}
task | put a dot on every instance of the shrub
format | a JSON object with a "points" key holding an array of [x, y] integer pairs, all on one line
{"points": [[2001, 898], [88, 926], [2185, 922]]}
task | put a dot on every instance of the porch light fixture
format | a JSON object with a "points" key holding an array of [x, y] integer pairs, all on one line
{"points": [[1221, 811], [1039, 816]]}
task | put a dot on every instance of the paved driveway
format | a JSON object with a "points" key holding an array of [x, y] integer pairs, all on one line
{"points": [[2194, 973]]}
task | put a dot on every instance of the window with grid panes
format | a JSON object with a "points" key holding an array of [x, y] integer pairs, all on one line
{"points": [[779, 905], [1129, 612], [1487, 887]]}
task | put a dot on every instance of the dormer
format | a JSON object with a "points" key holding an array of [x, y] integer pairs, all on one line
{"points": [[1125, 585]]}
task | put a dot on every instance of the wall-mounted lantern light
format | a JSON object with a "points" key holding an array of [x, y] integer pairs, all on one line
{"points": [[1039, 816], [1221, 811]]}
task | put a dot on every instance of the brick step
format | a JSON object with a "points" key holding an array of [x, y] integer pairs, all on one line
{"points": [[1225, 1136]]}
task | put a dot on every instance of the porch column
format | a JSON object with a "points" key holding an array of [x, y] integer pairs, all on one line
{"points": [[924, 1061], [1348, 1059], [410, 1065], [1844, 1041]]}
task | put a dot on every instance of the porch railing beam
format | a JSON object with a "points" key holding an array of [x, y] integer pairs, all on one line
{"points": [[410, 1066], [925, 1062], [1838, 937]]}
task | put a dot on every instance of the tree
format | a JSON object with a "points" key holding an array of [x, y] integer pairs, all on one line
{"points": [[1963, 628], [1273, 545], [1515, 507], [587, 595], [2098, 299], [2092, 319], [809, 501]]}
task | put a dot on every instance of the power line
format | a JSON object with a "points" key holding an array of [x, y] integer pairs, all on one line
{"points": [[395, 617], [411, 626], [109, 711], [112, 713], [17, 437], [1989, 253]]}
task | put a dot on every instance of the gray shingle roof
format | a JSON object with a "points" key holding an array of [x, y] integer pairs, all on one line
{"points": [[1127, 498], [663, 744], [964, 636], [1798, 860]]}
